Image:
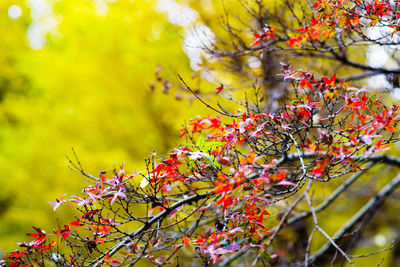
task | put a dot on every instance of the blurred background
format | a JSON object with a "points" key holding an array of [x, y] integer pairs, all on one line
{"points": [[83, 75]]}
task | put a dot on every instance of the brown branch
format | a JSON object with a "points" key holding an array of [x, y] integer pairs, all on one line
{"points": [[371, 207], [331, 198], [157, 218], [331, 241]]}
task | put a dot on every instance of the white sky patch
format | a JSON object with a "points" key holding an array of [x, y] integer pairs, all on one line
{"points": [[380, 240], [178, 14], [379, 82], [44, 22], [197, 35], [101, 7], [40, 9], [254, 62], [377, 57], [395, 93], [34, 32], [195, 39], [14, 12]]}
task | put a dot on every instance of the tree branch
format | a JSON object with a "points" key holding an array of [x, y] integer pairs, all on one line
{"points": [[371, 207], [158, 217], [331, 198], [206, 104]]}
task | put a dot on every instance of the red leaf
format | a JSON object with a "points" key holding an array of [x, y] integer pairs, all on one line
{"points": [[275, 178], [358, 104], [220, 88], [224, 161], [76, 223], [226, 200], [329, 81], [186, 241], [314, 21], [14, 264]]}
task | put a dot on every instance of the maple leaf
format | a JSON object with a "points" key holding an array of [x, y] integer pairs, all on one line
{"points": [[275, 178], [81, 201], [40, 233], [329, 81], [224, 161], [117, 194], [64, 232], [219, 88], [250, 159], [58, 203], [295, 41], [314, 21], [226, 200], [186, 241], [76, 223]]}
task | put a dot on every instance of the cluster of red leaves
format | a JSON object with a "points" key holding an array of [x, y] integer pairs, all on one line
{"points": [[198, 125], [106, 188], [266, 33], [360, 121], [332, 17], [316, 31], [235, 161], [37, 245]]}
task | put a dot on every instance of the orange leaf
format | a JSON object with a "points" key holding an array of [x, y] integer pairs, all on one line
{"points": [[249, 159], [186, 241]]}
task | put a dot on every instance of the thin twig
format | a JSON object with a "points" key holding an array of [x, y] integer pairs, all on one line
{"points": [[330, 240], [206, 104], [372, 205], [158, 217]]}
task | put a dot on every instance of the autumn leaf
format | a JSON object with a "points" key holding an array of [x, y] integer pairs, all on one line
{"points": [[186, 241], [329, 81], [219, 88], [250, 159]]}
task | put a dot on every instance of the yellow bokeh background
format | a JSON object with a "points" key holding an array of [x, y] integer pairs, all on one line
{"points": [[76, 74]]}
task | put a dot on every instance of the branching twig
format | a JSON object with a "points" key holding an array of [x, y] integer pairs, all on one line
{"points": [[330, 240], [371, 207], [158, 217], [206, 104]]}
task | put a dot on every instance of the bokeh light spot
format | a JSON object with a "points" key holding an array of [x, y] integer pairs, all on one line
{"points": [[14, 12]]}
